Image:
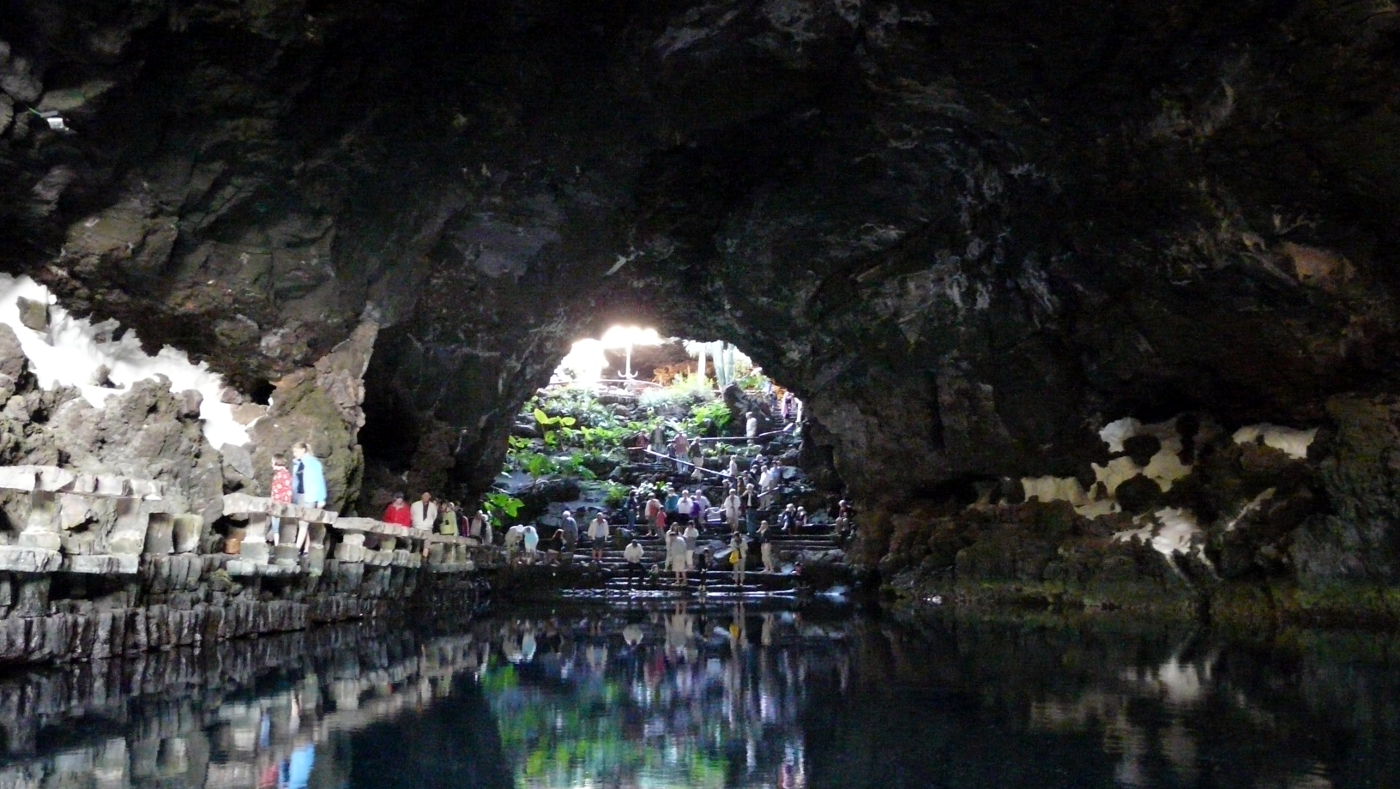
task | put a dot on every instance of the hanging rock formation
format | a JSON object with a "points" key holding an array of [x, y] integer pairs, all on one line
{"points": [[971, 235]]}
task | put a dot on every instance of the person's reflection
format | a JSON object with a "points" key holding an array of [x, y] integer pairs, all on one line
{"points": [[296, 769], [678, 631]]}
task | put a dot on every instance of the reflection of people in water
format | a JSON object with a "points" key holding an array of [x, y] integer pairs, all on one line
{"points": [[296, 770], [678, 631]]}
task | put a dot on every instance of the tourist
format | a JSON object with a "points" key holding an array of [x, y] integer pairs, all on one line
{"points": [[598, 534], [633, 553], [570, 528], [765, 547], [556, 547], [532, 542], [698, 474], [398, 512], [281, 491], [771, 477], [629, 509], [515, 535], [732, 506], [738, 555], [660, 519], [787, 519], [684, 507], [702, 505], [677, 556], [789, 406], [733, 470], [480, 525], [702, 566], [692, 541], [680, 449], [425, 512], [800, 523], [308, 487], [308, 476], [448, 524], [751, 427], [672, 503], [654, 513]]}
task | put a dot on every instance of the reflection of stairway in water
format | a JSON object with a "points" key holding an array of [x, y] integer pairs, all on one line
{"points": [[717, 581]]}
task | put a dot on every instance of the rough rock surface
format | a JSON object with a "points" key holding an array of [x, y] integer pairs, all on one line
{"points": [[963, 232]]}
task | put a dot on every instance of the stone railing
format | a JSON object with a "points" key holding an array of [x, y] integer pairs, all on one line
{"points": [[150, 578], [91, 523], [347, 540]]}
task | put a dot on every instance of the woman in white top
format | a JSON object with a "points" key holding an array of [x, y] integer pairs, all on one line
{"points": [[692, 541], [732, 507], [677, 555], [532, 541], [598, 534]]}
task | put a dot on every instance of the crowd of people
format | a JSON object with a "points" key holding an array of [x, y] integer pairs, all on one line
{"points": [[444, 517], [674, 506]]}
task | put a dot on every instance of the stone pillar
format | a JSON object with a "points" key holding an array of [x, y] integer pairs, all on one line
{"points": [[186, 531], [109, 772], [254, 547], [173, 759], [41, 527], [160, 534], [316, 548], [128, 535], [351, 549], [287, 552]]}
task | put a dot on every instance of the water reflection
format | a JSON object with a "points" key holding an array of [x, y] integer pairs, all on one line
{"points": [[679, 696], [720, 696]]}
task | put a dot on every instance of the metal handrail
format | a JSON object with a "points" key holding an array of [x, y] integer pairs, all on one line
{"points": [[736, 438], [723, 474]]}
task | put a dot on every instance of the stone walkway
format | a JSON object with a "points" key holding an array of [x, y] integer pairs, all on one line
{"points": [[619, 581]]}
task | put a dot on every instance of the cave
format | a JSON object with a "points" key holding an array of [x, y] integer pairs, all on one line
{"points": [[1089, 305]]}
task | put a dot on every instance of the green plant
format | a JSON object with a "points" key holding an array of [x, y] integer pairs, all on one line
{"points": [[499, 504], [616, 493], [597, 438], [711, 417], [574, 465], [536, 464], [686, 392], [565, 425]]}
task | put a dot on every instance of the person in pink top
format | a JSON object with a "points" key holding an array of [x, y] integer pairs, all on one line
{"points": [[398, 512], [281, 491]]}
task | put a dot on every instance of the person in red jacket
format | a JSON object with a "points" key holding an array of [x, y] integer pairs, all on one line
{"points": [[398, 512]]}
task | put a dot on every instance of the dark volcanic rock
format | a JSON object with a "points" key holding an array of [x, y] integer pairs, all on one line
{"points": [[961, 232]]}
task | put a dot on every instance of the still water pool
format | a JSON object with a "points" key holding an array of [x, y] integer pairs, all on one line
{"points": [[724, 696]]}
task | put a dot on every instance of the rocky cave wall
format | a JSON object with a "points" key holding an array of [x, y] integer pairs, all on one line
{"points": [[970, 235]]}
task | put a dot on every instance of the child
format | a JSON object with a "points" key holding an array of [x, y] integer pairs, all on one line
{"points": [[281, 491]]}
